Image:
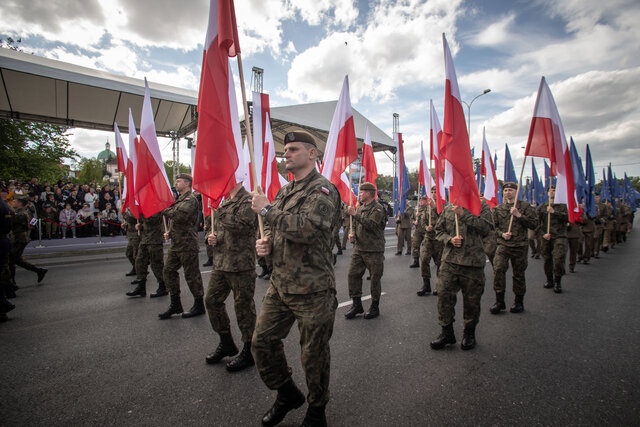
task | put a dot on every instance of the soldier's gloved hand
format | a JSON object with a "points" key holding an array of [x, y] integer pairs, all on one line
{"points": [[212, 239], [456, 241], [351, 210], [506, 236], [351, 238], [263, 246]]}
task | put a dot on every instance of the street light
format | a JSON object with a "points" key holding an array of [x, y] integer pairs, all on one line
{"points": [[486, 91]]}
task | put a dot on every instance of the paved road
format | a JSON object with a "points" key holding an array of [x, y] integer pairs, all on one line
{"points": [[77, 351]]}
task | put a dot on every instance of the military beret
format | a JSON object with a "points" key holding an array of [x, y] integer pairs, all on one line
{"points": [[367, 186], [433, 188], [185, 176], [552, 187], [510, 184], [299, 137], [424, 198]]}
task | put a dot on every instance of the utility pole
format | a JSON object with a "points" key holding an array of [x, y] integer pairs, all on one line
{"points": [[176, 153], [396, 128]]}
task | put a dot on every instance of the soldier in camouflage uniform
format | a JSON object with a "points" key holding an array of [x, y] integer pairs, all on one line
{"points": [[234, 270], [490, 242], [622, 220], [20, 232], [511, 246], [554, 242], [6, 214], [346, 224], [588, 228], [207, 233], [369, 221], [431, 247], [418, 233], [462, 269], [599, 221], [609, 240], [403, 230], [149, 252], [573, 242], [183, 251], [133, 239], [298, 227]]}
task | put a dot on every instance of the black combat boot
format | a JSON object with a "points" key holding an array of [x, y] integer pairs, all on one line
{"points": [[174, 308], [426, 287], [468, 338], [267, 276], [558, 285], [374, 310], [131, 273], [41, 272], [160, 292], [289, 398], [499, 305], [225, 348], [137, 281], [196, 310], [549, 283], [243, 361], [263, 272], [447, 336], [315, 417], [415, 264], [139, 291], [209, 262], [518, 304], [339, 251], [356, 308]]}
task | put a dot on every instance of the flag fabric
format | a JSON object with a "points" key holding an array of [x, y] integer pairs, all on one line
{"points": [[121, 152], [344, 183], [548, 179], [539, 193], [261, 110], [612, 189], [509, 169], [270, 181], [629, 194], [547, 139], [495, 165], [424, 175], [578, 172], [435, 136], [219, 147], [590, 201], [247, 183], [368, 160], [401, 180], [605, 194], [129, 193], [455, 143], [488, 169], [152, 188]]}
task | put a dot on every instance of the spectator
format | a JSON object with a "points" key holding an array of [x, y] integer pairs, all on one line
{"points": [[49, 216], [91, 198], [67, 220], [85, 216], [109, 221]]}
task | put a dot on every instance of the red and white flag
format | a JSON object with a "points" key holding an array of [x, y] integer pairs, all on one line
{"points": [[219, 147], [270, 181], [152, 188], [247, 184], [368, 160], [121, 152], [424, 175], [436, 138], [455, 143], [547, 139], [344, 184], [128, 192], [260, 111], [488, 170], [341, 149]]}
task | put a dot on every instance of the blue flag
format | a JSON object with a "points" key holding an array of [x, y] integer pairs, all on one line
{"points": [[499, 189], [400, 195], [590, 201], [539, 193], [605, 194], [612, 190], [629, 193], [578, 173], [509, 170]]}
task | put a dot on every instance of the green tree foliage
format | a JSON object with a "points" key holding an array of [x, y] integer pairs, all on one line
{"points": [[168, 167], [90, 171]]}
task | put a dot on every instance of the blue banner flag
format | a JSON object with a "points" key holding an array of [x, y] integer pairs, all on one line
{"points": [[578, 173], [590, 200]]}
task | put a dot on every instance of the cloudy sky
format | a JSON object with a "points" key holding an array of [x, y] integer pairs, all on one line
{"points": [[589, 51]]}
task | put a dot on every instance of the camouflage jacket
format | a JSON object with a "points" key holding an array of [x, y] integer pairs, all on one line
{"points": [[300, 224], [519, 228], [184, 222], [6, 214], [404, 220], [601, 214], [235, 226], [588, 224], [573, 231], [368, 227], [152, 230], [207, 226], [423, 222], [20, 225], [559, 219], [624, 212], [131, 222], [472, 228]]}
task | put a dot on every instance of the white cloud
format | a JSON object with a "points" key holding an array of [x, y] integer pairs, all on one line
{"points": [[495, 34]]}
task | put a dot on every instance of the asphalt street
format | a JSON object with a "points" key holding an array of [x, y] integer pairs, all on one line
{"points": [[77, 351]]}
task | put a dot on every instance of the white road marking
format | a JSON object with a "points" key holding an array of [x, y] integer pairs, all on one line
{"points": [[346, 303]]}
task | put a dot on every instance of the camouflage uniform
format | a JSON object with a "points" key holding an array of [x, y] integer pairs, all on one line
{"points": [[20, 232], [133, 237], [207, 232], [418, 233], [234, 267], [462, 268], [534, 241], [622, 221], [431, 247], [609, 227], [346, 224], [184, 246], [403, 229], [600, 221], [573, 241], [554, 250], [368, 229], [6, 213], [588, 228], [150, 249], [514, 249], [300, 224]]}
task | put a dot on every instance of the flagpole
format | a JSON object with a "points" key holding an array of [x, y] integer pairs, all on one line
{"points": [[517, 192], [249, 137], [212, 223], [457, 227], [351, 201]]}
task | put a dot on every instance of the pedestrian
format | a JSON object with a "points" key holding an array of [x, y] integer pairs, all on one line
{"points": [[553, 218], [149, 251], [431, 247]]}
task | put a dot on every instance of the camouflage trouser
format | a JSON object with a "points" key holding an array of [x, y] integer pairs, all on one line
{"points": [[189, 261], [404, 235], [490, 245], [588, 246], [150, 254], [15, 258], [336, 236], [315, 314], [243, 285], [554, 253], [534, 242], [453, 278], [519, 262], [132, 250], [209, 250], [345, 235], [431, 249], [416, 241], [574, 250], [621, 232], [265, 262], [609, 235], [361, 261], [597, 240]]}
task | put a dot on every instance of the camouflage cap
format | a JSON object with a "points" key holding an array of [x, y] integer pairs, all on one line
{"points": [[299, 137], [367, 186], [510, 184], [185, 176]]}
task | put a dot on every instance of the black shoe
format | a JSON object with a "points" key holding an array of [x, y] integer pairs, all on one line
{"points": [[499, 304], [415, 264], [605, 249], [447, 336], [136, 281], [225, 348], [160, 292], [139, 291], [572, 269], [41, 273], [408, 253], [586, 262], [518, 304], [434, 293], [374, 311], [315, 417], [399, 253], [209, 262], [369, 277], [174, 308], [267, 276], [289, 398], [558, 285], [6, 307], [131, 273], [10, 293], [339, 251], [263, 273], [549, 283], [426, 287], [243, 361], [468, 338], [537, 256], [196, 310], [356, 308]]}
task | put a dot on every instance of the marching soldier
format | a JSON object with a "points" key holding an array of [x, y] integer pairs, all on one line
{"points": [[418, 233], [553, 220], [609, 227], [149, 252], [431, 247], [21, 231], [599, 221], [622, 220], [133, 240], [5, 249], [403, 230], [207, 245], [588, 228], [573, 240]]}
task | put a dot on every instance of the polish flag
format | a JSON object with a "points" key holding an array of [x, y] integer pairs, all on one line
{"points": [[424, 175], [488, 170], [368, 160], [247, 183], [455, 143], [345, 187], [121, 152], [260, 111], [128, 193], [152, 188], [341, 149], [270, 181], [547, 139], [219, 148], [436, 138]]}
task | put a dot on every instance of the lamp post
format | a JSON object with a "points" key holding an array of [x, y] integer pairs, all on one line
{"points": [[486, 91]]}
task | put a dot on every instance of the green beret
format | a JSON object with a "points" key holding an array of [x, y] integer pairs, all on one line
{"points": [[367, 186], [299, 137], [510, 184], [185, 176]]}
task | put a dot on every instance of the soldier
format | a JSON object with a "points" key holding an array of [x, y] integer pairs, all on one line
{"points": [[553, 220], [207, 245], [609, 227], [298, 227], [233, 243], [133, 239], [462, 268], [599, 221], [183, 251], [418, 233], [50, 214], [588, 229], [490, 241], [149, 252], [622, 220], [511, 246], [369, 221], [20, 231], [431, 247], [5, 249], [403, 230], [346, 224]]}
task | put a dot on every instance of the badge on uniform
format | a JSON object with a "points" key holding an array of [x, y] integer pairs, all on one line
{"points": [[325, 190], [33, 221]]}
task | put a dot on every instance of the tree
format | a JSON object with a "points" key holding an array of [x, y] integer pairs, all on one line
{"points": [[168, 167], [90, 171]]}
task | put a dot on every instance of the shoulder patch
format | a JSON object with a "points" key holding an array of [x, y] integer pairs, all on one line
{"points": [[325, 190]]}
